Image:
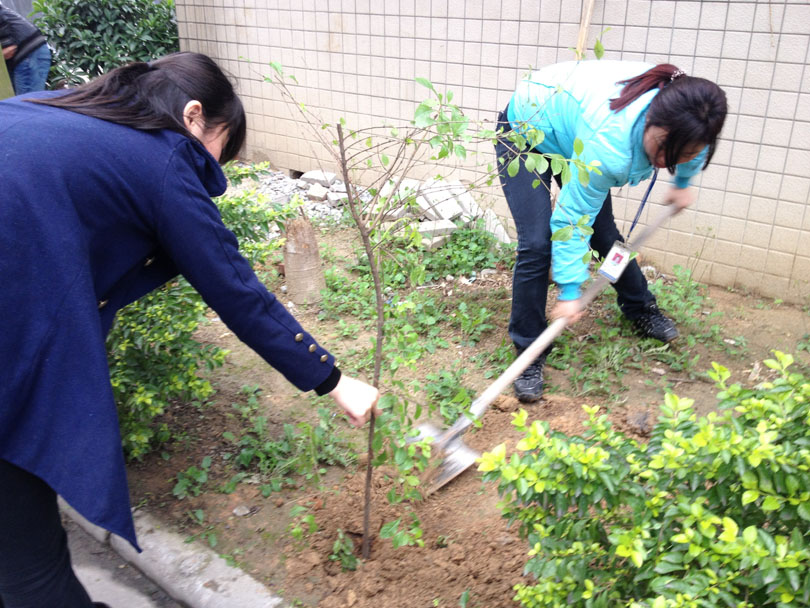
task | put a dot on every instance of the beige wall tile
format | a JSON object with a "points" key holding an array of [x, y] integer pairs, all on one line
{"points": [[784, 239]]}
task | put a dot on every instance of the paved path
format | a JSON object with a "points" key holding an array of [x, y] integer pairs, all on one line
{"points": [[107, 577]]}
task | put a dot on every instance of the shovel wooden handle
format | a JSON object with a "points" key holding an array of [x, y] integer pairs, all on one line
{"points": [[543, 341]]}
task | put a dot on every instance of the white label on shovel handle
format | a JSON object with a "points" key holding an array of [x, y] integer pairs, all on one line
{"points": [[615, 262]]}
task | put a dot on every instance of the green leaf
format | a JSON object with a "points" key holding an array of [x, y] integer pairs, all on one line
{"points": [[513, 167], [804, 511], [578, 146], [563, 234], [771, 503], [425, 83], [598, 49], [749, 496], [390, 529]]}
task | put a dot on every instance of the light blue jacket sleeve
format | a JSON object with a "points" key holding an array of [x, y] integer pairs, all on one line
{"points": [[686, 171]]}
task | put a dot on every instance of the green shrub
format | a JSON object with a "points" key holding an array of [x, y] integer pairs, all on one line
{"points": [[154, 360], [90, 37], [713, 511], [153, 356]]}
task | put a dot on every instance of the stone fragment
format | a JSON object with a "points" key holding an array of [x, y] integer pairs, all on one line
{"points": [[317, 192], [432, 228], [241, 511], [435, 242], [439, 195], [336, 199], [492, 224], [317, 176]]}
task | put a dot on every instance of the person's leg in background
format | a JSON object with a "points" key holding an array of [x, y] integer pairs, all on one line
{"points": [[31, 73], [35, 569], [635, 300], [531, 211]]}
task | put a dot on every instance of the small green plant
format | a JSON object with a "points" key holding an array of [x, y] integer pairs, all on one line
{"points": [[713, 511], [191, 481], [208, 533], [237, 171], [446, 393], [299, 450], [468, 250], [343, 552], [473, 320], [409, 536], [302, 524]]}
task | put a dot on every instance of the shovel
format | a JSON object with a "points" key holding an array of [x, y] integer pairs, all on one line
{"points": [[456, 456]]}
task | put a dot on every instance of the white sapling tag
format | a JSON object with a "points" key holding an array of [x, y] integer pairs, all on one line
{"points": [[616, 261]]}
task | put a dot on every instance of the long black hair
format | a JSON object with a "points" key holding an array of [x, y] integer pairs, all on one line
{"points": [[691, 109], [151, 96]]}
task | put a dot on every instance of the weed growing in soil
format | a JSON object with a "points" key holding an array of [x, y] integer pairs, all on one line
{"points": [[445, 391], [299, 452], [469, 250], [191, 481], [208, 532], [343, 552]]}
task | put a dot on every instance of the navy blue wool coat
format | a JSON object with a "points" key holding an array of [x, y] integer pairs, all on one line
{"points": [[94, 215]]}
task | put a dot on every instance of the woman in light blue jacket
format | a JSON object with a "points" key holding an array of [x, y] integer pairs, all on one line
{"points": [[630, 117]]}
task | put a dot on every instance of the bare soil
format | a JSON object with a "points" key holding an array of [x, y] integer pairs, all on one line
{"points": [[468, 546]]}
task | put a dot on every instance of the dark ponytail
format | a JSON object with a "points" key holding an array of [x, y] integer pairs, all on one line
{"points": [[691, 109], [152, 96]]}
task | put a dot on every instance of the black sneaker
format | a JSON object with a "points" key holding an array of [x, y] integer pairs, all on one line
{"points": [[529, 385], [653, 324]]}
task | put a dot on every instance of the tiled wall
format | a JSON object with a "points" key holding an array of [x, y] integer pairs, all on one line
{"points": [[358, 59]]}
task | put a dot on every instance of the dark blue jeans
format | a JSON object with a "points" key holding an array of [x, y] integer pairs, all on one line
{"points": [[531, 210], [31, 73], [35, 570]]}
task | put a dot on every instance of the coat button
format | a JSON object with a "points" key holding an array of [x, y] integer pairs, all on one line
{"points": [[149, 261], [102, 304], [312, 348], [324, 358], [299, 337]]}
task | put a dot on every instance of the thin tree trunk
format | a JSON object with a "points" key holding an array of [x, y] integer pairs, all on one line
{"points": [[365, 235]]}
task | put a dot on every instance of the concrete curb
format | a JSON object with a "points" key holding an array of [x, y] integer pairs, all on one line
{"points": [[188, 572]]}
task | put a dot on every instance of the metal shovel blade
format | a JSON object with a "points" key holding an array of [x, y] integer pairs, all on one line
{"points": [[455, 462]]}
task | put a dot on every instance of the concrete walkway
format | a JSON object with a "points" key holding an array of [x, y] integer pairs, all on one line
{"points": [[169, 573], [107, 577]]}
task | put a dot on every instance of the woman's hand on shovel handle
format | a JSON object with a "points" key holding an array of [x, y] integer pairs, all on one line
{"points": [[680, 198], [571, 309], [357, 399]]}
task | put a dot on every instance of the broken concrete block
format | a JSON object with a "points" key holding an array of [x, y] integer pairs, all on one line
{"points": [[317, 192], [433, 228], [426, 209], [317, 176], [471, 210], [435, 242], [336, 199], [442, 200], [493, 225]]}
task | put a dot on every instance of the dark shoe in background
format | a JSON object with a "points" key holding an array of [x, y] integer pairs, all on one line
{"points": [[529, 385], [653, 324]]}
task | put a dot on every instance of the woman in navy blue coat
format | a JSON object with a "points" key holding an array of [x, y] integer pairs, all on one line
{"points": [[105, 194]]}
